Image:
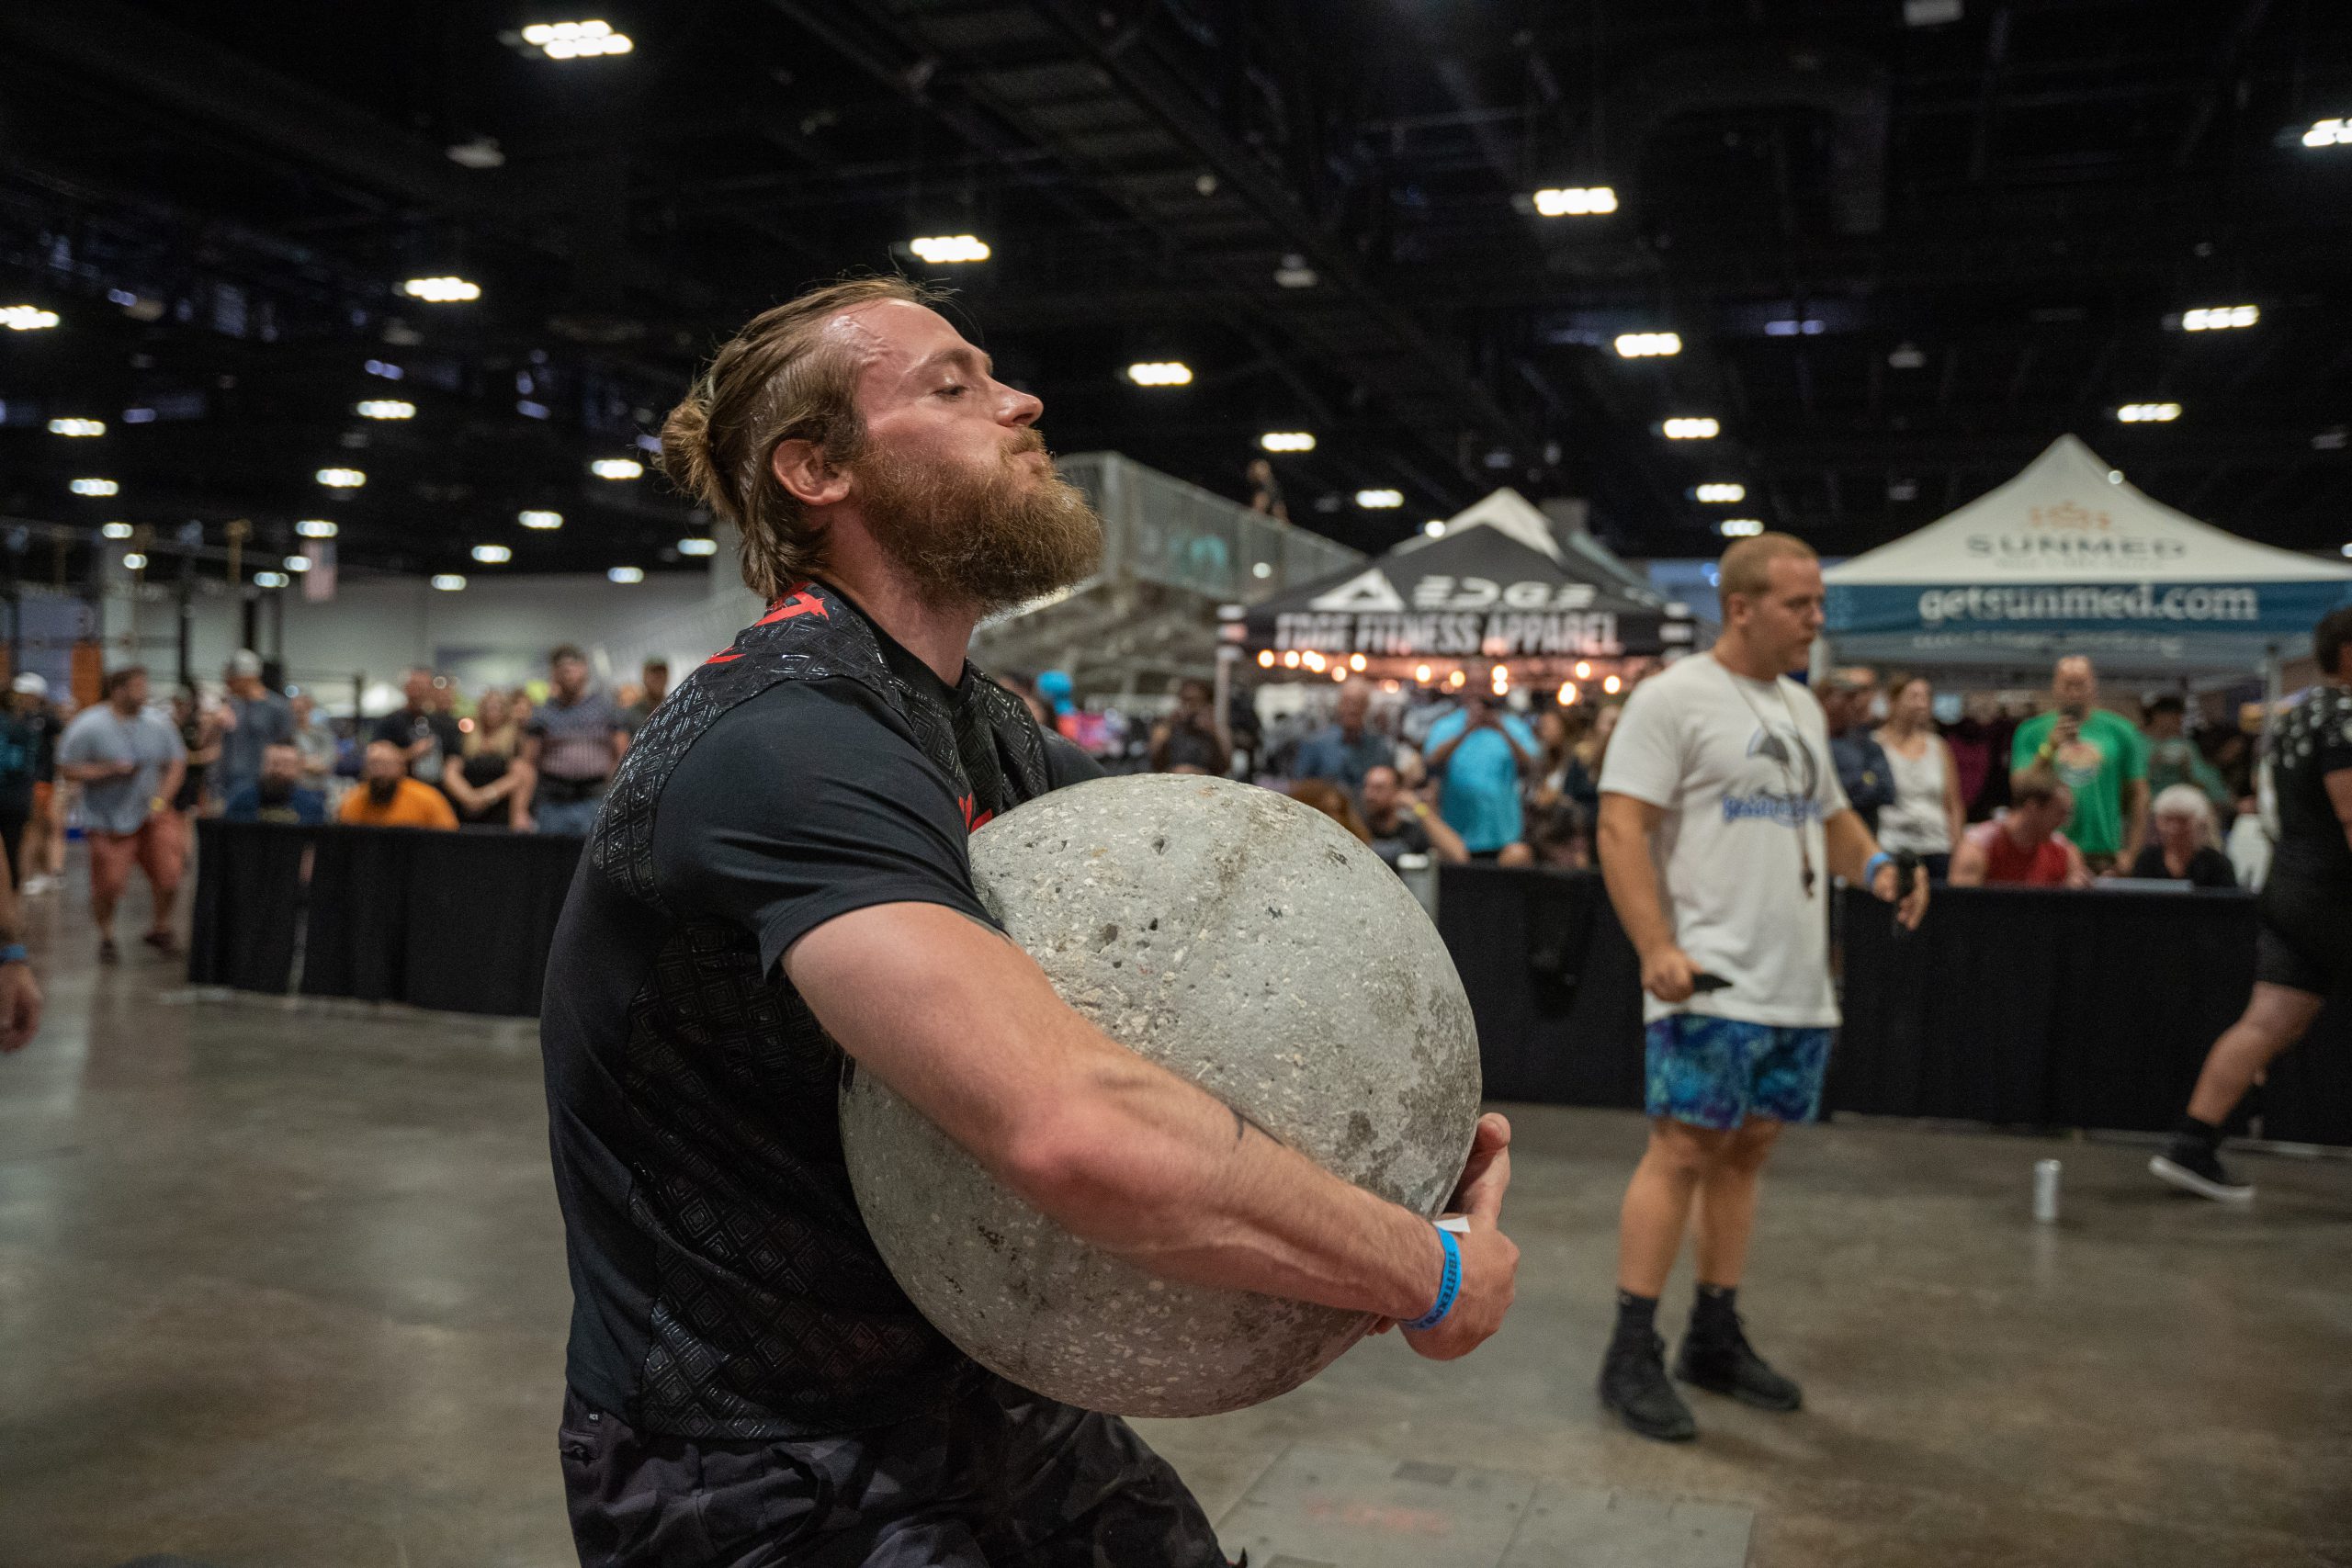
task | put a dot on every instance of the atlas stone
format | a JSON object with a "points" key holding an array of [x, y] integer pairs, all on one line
{"points": [[1244, 941]]}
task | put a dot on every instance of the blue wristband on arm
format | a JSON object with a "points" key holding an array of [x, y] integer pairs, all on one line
{"points": [[1870, 867], [1448, 1287], [14, 953]]}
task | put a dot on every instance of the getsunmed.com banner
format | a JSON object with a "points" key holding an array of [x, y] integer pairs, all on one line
{"points": [[2056, 603]]}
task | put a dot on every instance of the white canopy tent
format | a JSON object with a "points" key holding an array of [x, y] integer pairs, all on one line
{"points": [[2067, 557]]}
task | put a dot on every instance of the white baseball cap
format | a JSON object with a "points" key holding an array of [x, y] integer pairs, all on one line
{"points": [[31, 683]]}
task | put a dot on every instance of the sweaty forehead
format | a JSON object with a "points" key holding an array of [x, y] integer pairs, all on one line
{"points": [[888, 338]]}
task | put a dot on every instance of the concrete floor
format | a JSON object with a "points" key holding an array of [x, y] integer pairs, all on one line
{"points": [[286, 1288]]}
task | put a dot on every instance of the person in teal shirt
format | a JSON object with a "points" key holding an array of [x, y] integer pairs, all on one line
{"points": [[2100, 755], [1481, 752]]}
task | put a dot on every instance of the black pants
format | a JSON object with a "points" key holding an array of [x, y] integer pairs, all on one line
{"points": [[1001, 1478]]}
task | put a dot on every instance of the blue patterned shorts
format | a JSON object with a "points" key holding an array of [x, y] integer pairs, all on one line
{"points": [[1718, 1072]]}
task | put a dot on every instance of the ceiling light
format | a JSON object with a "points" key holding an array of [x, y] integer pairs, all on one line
{"points": [[1741, 527], [698, 546], [77, 427], [1794, 326], [1577, 201], [1261, 569], [340, 478], [2219, 318], [1296, 273], [2348, 549], [315, 528], [1434, 527], [493, 555], [539, 519], [384, 408], [297, 563], [135, 561], [385, 368], [1160, 373], [530, 409], [94, 487], [27, 317], [2323, 134], [442, 290], [626, 574], [1930, 13], [1648, 346], [576, 40], [2115, 476], [117, 530], [1903, 489], [271, 579], [1700, 429], [2148, 413], [1906, 356], [482, 152], [139, 416], [616, 467], [1288, 440], [449, 581], [1726, 493], [947, 250], [1379, 500]]}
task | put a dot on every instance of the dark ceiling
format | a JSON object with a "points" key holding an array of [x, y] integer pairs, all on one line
{"points": [[1900, 258]]}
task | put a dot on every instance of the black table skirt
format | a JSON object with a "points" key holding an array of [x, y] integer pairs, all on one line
{"points": [[2011, 1006], [454, 920]]}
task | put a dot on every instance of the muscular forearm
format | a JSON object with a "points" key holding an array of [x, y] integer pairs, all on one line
{"points": [[1119, 1151]]}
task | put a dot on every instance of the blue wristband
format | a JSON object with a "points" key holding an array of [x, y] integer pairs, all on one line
{"points": [[1870, 867], [14, 954], [1449, 1285]]}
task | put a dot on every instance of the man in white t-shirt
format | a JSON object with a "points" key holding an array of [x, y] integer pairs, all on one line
{"points": [[1722, 823]]}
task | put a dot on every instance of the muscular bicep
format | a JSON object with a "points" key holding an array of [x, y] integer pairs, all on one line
{"points": [[957, 1019]]}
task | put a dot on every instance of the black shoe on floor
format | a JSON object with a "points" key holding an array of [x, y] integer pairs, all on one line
{"points": [[1719, 1358], [1632, 1383], [2193, 1168]]}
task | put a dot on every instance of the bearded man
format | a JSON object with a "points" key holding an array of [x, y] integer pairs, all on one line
{"points": [[776, 893]]}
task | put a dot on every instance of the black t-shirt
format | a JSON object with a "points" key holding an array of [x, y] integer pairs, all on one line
{"points": [[404, 729], [21, 742], [2307, 745], [2209, 867], [1406, 836], [725, 1284]]}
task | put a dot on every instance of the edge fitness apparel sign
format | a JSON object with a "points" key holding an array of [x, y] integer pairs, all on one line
{"points": [[1455, 616]]}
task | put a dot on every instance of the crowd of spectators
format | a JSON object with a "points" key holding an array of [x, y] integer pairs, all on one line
{"points": [[2056, 790]]}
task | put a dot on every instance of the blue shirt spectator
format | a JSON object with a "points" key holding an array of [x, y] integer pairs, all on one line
{"points": [[279, 795], [1480, 751], [1345, 751]]}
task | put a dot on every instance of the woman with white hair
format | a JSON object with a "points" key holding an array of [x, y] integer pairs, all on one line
{"points": [[2183, 848]]}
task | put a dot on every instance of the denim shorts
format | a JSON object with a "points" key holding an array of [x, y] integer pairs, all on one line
{"points": [[1718, 1072]]}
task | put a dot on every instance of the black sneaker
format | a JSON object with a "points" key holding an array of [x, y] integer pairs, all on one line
{"points": [[2193, 1168], [1632, 1383], [1719, 1358]]}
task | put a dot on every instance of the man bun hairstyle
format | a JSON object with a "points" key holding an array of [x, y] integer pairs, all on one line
{"points": [[774, 382]]}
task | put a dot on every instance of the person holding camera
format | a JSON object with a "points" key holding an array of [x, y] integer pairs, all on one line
{"points": [[1479, 754], [2097, 753]]}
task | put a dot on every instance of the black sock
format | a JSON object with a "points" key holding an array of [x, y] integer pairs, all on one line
{"points": [[2198, 1135], [1714, 1304], [1636, 1316]]}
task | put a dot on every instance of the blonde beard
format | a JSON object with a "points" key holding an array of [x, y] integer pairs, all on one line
{"points": [[986, 539]]}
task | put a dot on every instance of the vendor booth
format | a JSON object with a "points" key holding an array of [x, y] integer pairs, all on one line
{"points": [[1497, 591], [2068, 558]]}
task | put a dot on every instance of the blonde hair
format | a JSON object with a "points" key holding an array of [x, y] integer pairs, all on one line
{"points": [[771, 383], [1745, 568]]}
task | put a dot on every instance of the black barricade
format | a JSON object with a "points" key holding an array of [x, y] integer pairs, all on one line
{"points": [[2013, 1006], [460, 922]]}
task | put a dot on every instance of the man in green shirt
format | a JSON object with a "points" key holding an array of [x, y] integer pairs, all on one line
{"points": [[2100, 755]]}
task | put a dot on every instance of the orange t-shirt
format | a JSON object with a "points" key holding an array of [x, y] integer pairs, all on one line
{"points": [[414, 804]]}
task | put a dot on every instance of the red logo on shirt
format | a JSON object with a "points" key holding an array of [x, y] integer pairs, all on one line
{"points": [[972, 824], [800, 602]]}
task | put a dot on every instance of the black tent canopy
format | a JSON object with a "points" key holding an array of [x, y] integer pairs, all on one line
{"points": [[1497, 588]]}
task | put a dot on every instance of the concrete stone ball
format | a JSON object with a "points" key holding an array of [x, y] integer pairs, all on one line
{"points": [[1251, 945]]}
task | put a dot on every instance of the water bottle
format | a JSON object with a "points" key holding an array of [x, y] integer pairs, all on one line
{"points": [[2045, 1191]]}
